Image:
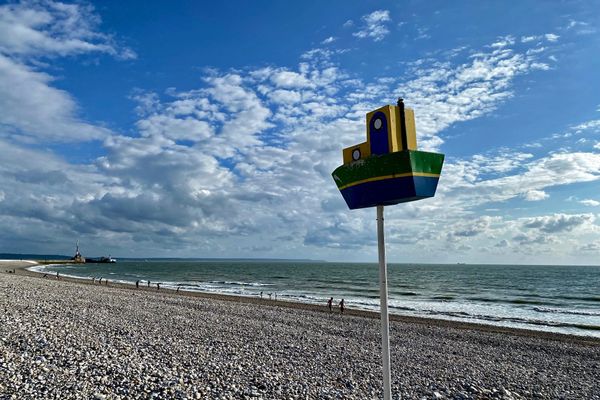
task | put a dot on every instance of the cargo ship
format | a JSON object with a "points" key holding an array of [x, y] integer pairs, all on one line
{"points": [[78, 258], [101, 260]]}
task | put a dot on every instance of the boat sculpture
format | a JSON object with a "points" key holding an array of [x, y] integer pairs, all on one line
{"points": [[388, 169]]}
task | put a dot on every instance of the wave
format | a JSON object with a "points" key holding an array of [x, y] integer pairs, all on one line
{"points": [[510, 301], [469, 317], [525, 301], [236, 283], [562, 311], [591, 298], [444, 297], [406, 293], [504, 307]]}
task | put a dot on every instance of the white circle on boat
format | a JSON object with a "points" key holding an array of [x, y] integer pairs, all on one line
{"points": [[377, 124], [356, 154]]}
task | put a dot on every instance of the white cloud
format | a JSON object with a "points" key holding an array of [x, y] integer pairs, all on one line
{"points": [[290, 79], [175, 128], [535, 175], [527, 39], [581, 27], [559, 222], [422, 33], [472, 228], [593, 125], [504, 42], [329, 40], [374, 25], [590, 202], [444, 93], [550, 37], [31, 109], [245, 159], [52, 28], [593, 247], [536, 195], [285, 96]]}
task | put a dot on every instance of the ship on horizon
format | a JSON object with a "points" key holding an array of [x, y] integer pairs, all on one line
{"points": [[101, 260], [80, 259]]}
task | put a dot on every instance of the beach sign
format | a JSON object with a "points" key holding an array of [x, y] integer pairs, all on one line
{"points": [[385, 170]]}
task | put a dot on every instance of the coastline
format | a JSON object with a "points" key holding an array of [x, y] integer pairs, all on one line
{"points": [[69, 338], [22, 266]]}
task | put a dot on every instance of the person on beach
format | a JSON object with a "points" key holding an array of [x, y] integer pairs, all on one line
{"points": [[137, 284], [157, 286], [342, 306], [106, 282], [178, 287], [270, 294], [100, 280], [330, 304], [57, 275], [94, 279], [261, 294], [148, 283]]}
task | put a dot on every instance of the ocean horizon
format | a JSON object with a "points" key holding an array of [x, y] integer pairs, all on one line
{"points": [[554, 298]]}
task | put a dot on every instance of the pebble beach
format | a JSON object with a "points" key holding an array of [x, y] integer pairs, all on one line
{"points": [[61, 339]]}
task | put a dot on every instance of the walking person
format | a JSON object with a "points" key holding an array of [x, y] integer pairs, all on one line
{"points": [[148, 283], [137, 284], [157, 286], [57, 275], [330, 304], [341, 306]]}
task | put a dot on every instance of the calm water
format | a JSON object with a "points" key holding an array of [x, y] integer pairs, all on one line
{"points": [[552, 298]]}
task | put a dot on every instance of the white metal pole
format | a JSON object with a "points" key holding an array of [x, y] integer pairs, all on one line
{"points": [[383, 299]]}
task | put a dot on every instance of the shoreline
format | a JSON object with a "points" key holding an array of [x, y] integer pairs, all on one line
{"points": [[68, 338], [22, 266]]}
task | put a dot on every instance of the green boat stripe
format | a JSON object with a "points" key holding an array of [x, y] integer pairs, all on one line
{"points": [[385, 166], [381, 178]]}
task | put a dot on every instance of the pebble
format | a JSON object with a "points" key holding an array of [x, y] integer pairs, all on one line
{"points": [[61, 340]]}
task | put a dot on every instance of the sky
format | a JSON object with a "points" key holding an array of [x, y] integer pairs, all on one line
{"points": [[210, 129]]}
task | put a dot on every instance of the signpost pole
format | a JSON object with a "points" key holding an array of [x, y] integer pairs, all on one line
{"points": [[383, 299]]}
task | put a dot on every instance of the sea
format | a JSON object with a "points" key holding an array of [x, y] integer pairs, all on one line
{"points": [[564, 299]]}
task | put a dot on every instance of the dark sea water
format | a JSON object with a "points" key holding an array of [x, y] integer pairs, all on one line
{"points": [[551, 298]]}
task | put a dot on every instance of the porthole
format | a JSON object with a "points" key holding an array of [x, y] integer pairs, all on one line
{"points": [[377, 123], [356, 154]]}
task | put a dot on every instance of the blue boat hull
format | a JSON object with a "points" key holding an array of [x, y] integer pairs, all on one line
{"points": [[390, 191]]}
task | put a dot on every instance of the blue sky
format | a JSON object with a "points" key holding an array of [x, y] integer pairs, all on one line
{"points": [[188, 129]]}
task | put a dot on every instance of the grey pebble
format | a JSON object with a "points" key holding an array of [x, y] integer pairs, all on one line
{"points": [[63, 340]]}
